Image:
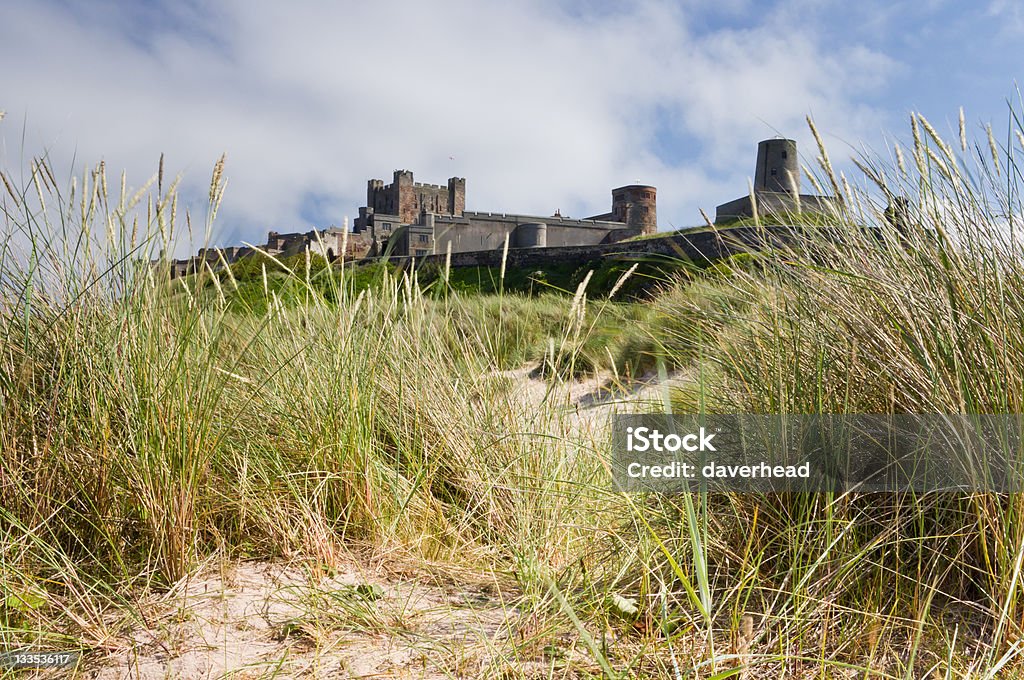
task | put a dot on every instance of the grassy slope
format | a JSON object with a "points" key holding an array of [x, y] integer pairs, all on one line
{"points": [[147, 425]]}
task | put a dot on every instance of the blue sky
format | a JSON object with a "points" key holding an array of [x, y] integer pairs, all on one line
{"points": [[540, 105]]}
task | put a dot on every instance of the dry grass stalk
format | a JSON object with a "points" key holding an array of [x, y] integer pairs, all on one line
{"points": [[963, 132], [744, 639]]}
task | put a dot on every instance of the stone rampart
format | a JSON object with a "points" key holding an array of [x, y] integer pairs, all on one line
{"points": [[699, 246]]}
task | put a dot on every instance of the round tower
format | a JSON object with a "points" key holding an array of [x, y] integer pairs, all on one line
{"points": [[531, 235], [636, 206], [777, 167]]}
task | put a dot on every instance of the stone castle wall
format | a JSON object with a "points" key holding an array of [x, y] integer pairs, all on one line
{"points": [[700, 246]]}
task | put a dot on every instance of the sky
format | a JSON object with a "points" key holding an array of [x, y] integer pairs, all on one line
{"points": [[541, 105]]}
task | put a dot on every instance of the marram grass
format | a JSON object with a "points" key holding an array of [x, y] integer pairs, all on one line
{"points": [[148, 425]]}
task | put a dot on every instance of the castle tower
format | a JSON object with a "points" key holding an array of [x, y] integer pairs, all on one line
{"points": [[636, 206], [777, 167], [456, 195], [404, 197], [373, 187]]}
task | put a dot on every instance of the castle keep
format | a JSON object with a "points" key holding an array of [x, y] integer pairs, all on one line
{"points": [[407, 218], [406, 199]]}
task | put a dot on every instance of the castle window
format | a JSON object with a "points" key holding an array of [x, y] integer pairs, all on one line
{"points": [[419, 252], [386, 226], [785, 154], [423, 238], [774, 172]]}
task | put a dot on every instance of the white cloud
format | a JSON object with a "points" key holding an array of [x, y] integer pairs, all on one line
{"points": [[1010, 15], [541, 108]]}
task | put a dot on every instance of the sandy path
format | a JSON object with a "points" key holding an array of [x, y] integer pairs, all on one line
{"points": [[590, 403], [250, 620]]}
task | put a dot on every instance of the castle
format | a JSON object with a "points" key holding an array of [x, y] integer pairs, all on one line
{"points": [[410, 219], [407, 218]]}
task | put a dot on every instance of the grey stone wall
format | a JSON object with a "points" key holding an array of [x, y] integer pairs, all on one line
{"points": [[700, 246], [486, 231], [771, 203]]}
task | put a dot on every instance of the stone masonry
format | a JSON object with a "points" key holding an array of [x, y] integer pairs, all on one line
{"points": [[406, 218]]}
